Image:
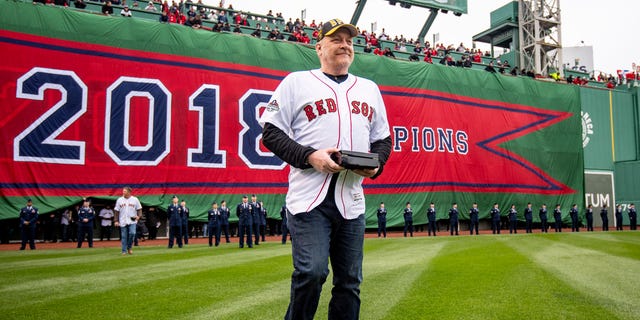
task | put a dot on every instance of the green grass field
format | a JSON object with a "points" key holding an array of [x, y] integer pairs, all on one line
{"points": [[552, 276]]}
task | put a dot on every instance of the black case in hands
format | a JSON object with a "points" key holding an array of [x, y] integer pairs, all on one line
{"points": [[356, 160]]}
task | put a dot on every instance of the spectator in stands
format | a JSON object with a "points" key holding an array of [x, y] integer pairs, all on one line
{"points": [[151, 7], [236, 29], [466, 61], [117, 2], [490, 68], [256, 33], [292, 37], [313, 24], [290, 24], [418, 48], [62, 3], [222, 17], [570, 79], [275, 34], [107, 9], [504, 65], [196, 22], [304, 38], [514, 72], [477, 57], [611, 84], [125, 12], [80, 4], [427, 56], [414, 57], [388, 53], [377, 51], [367, 48], [226, 27], [192, 12], [164, 18]]}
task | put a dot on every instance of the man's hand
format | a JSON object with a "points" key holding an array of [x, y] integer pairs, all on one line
{"points": [[321, 161], [367, 173], [117, 224]]}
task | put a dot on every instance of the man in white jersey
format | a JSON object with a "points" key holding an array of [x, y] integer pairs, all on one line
{"points": [[312, 115], [128, 211]]}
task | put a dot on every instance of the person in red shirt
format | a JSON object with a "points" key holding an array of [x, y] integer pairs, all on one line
{"points": [[377, 51], [304, 38], [427, 56], [477, 57]]}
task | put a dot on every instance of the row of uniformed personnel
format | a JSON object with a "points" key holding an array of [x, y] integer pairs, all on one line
{"points": [[512, 218]]}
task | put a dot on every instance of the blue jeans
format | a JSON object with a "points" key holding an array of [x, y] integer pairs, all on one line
{"points": [[127, 233], [317, 236]]}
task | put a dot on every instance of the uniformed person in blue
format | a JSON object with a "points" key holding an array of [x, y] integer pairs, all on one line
{"points": [[619, 222], [284, 228], [543, 218], [588, 213], [453, 218], [28, 220], [557, 218], [513, 219], [213, 217], [575, 223], [86, 215], [255, 218], [633, 217], [431, 218], [174, 214], [604, 215], [263, 222], [185, 221], [495, 219], [408, 220], [245, 222], [528, 218], [382, 220], [224, 219], [474, 219]]}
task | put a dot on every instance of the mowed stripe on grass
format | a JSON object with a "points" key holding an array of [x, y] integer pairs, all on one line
{"points": [[587, 265], [485, 277]]}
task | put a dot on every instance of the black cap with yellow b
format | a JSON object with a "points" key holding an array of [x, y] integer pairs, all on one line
{"points": [[331, 26]]}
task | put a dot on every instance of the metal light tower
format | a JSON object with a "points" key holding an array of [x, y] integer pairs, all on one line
{"points": [[540, 35]]}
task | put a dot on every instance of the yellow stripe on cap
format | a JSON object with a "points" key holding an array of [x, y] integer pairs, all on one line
{"points": [[331, 26]]}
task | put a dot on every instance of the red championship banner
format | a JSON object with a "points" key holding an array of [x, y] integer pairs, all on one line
{"points": [[85, 119]]}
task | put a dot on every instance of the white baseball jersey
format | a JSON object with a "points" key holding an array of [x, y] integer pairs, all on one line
{"points": [[106, 215], [127, 208], [316, 111]]}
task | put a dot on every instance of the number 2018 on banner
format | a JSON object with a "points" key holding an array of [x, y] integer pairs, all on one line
{"points": [[38, 143]]}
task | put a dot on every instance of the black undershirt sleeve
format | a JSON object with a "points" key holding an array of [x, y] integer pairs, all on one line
{"points": [[286, 148], [383, 149]]}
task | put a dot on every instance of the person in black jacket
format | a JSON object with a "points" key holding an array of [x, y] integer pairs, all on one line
{"points": [[528, 218], [382, 220], [619, 221], [453, 219], [174, 214], [408, 220], [588, 213], [474, 219], [543, 218], [604, 215], [557, 218]]}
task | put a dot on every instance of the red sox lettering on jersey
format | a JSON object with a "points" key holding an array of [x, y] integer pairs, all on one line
{"points": [[328, 105]]}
